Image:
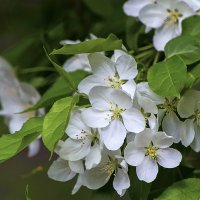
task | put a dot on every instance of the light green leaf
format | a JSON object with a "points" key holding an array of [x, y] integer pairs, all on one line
{"points": [[188, 189], [11, 144], [187, 47], [65, 75], [91, 46], [167, 78], [139, 190], [56, 120], [191, 26]]}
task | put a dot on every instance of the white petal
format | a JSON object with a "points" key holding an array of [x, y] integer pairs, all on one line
{"points": [[187, 132], [185, 9], [95, 118], [161, 140], [100, 97], [121, 182], [94, 157], [60, 171], [164, 34], [133, 120], [77, 186], [187, 104], [34, 148], [196, 143], [153, 122], [126, 67], [134, 155], [169, 158], [89, 82], [113, 135], [133, 7], [77, 166], [117, 54], [101, 65], [76, 126], [129, 88], [172, 126], [148, 170], [153, 15], [144, 138], [74, 150]]}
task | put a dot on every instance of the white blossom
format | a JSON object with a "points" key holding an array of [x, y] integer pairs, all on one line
{"points": [[149, 149], [16, 97], [83, 142], [110, 74], [194, 4], [189, 107], [113, 112], [111, 164], [166, 17]]}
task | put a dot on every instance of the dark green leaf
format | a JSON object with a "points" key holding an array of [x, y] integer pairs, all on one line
{"points": [[139, 190], [187, 47], [191, 26], [56, 120], [167, 78], [91, 46], [11, 144], [188, 189]]}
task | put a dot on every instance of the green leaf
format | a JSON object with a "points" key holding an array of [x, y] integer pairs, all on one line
{"points": [[139, 190], [167, 78], [187, 47], [58, 90], [133, 29], [56, 120], [188, 189], [91, 46], [65, 75], [191, 26], [11, 144]]}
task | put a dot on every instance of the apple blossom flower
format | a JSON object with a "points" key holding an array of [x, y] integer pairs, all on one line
{"points": [[113, 112], [166, 17], [149, 149], [112, 163], [133, 7], [16, 97], [110, 74], [83, 142], [189, 107]]}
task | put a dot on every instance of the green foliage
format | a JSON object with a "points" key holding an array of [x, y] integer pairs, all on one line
{"points": [[191, 26], [56, 120], [59, 90], [90, 46], [167, 78], [12, 144], [187, 47], [139, 190], [182, 190], [133, 29]]}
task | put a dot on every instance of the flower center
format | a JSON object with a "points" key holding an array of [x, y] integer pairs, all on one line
{"points": [[173, 16], [151, 152], [116, 112], [169, 105], [197, 117], [115, 82], [111, 167]]}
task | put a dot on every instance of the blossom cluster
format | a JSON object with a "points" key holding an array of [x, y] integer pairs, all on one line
{"points": [[164, 16], [125, 123]]}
